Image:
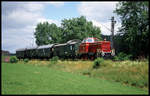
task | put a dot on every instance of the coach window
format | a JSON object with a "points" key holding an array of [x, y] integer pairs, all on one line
{"points": [[71, 47]]}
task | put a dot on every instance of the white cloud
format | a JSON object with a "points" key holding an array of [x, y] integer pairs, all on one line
{"points": [[56, 4], [101, 11], [106, 27], [33, 6], [19, 20], [13, 39], [49, 21], [100, 14]]}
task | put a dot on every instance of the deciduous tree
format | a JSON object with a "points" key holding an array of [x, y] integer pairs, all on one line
{"points": [[135, 27]]}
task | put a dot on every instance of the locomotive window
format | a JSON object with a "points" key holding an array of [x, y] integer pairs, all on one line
{"points": [[84, 41], [89, 40]]}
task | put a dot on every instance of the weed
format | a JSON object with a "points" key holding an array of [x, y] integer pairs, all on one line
{"points": [[53, 61], [121, 57], [134, 73], [13, 59], [98, 62], [26, 60]]}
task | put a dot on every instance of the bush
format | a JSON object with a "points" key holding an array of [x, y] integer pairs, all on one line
{"points": [[98, 62], [26, 60], [53, 61], [56, 58], [13, 59], [122, 56]]}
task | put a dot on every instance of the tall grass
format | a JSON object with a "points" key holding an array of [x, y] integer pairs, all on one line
{"points": [[133, 73]]}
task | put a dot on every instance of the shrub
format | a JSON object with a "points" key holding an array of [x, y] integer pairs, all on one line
{"points": [[98, 62], [26, 60], [116, 58], [122, 56], [53, 61], [55, 58], [13, 59]]}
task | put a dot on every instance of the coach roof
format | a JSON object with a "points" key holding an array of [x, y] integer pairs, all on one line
{"points": [[45, 46]]}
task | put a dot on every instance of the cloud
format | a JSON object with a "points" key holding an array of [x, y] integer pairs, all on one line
{"points": [[8, 7], [101, 11], [19, 20], [56, 4], [106, 27], [100, 14], [49, 21]]}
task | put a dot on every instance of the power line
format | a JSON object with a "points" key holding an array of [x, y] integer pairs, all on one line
{"points": [[106, 27]]}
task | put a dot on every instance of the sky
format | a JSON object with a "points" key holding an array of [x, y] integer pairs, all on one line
{"points": [[19, 19]]}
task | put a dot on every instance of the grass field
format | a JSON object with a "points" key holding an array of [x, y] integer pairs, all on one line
{"points": [[30, 79], [133, 73]]}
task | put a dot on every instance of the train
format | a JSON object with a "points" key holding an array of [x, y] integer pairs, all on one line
{"points": [[88, 48]]}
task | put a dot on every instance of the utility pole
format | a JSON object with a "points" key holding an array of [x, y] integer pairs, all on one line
{"points": [[112, 31], [112, 35]]}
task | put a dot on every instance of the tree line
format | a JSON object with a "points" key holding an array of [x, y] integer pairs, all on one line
{"points": [[74, 28]]}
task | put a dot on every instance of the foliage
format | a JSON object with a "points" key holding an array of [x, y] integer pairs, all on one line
{"points": [[98, 62], [26, 60], [47, 33], [75, 28], [135, 27], [53, 61], [79, 28], [122, 56], [27, 79], [13, 59], [56, 58]]}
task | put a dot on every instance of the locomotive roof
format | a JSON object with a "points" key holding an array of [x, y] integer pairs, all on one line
{"points": [[45, 46]]}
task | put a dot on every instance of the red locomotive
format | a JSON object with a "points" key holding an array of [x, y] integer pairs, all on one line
{"points": [[91, 48]]}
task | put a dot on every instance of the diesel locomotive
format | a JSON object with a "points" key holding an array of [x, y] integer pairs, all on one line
{"points": [[89, 48]]}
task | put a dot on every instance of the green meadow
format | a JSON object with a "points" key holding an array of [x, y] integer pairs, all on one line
{"points": [[64, 77]]}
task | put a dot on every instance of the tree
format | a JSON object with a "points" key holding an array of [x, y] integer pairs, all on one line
{"points": [[75, 28], [135, 27], [79, 28], [47, 33]]}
